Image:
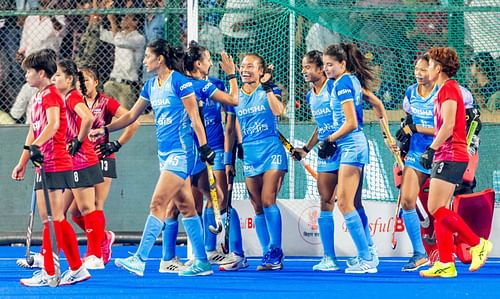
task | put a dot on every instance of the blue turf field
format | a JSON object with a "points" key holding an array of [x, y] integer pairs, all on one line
{"points": [[295, 281]]}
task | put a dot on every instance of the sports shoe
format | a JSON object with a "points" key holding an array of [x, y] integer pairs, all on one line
{"points": [[93, 262], [443, 270], [198, 268], [172, 266], [106, 245], [326, 264], [355, 260], [40, 279], [37, 261], [237, 262], [480, 254], [415, 262], [272, 260], [132, 264], [71, 277], [217, 258], [363, 266]]}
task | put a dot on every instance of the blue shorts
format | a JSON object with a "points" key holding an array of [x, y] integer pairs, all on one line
{"points": [[177, 162], [412, 160], [354, 151], [329, 165], [262, 155], [199, 166], [219, 160]]}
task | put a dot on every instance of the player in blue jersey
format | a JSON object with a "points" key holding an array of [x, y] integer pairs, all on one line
{"points": [[264, 158], [173, 100], [415, 135], [319, 100], [348, 67]]}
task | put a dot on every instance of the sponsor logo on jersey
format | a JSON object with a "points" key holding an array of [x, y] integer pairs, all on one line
{"points": [[251, 110], [36, 125], [255, 128], [185, 85], [164, 121], [160, 102], [325, 128], [343, 91], [96, 110], [206, 87], [321, 111], [422, 112]]}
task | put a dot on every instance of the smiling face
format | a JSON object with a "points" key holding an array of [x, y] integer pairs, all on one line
{"points": [[204, 64], [332, 67], [311, 71], [251, 69]]}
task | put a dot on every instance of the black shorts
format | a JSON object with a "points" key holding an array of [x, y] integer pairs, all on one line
{"points": [[449, 171], [88, 177], [56, 180], [108, 167]]}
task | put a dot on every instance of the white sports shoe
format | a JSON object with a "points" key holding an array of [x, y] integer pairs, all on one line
{"points": [[71, 277], [236, 262], [93, 262], [37, 261], [40, 279], [218, 258], [362, 267], [172, 266], [326, 264], [355, 260]]}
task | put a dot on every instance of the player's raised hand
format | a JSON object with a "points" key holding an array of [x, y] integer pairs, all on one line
{"points": [[227, 63]]}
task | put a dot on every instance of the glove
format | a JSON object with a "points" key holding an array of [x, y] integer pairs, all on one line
{"points": [[108, 148], [405, 132], [36, 155], [326, 149], [427, 157], [240, 151], [74, 146], [268, 84], [207, 154]]}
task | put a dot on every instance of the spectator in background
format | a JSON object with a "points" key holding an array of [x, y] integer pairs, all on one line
{"points": [[384, 88], [92, 50], [27, 4], [41, 32], [129, 49], [154, 28], [485, 85]]}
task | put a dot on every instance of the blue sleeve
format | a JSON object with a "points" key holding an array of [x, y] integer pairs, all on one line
{"points": [[146, 89], [208, 89], [218, 83], [406, 100], [344, 90], [308, 97], [229, 109], [182, 85]]}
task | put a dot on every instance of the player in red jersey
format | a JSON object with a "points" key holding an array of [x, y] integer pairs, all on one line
{"points": [[46, 144], [447, 155], [86, 170], [103, 108]]}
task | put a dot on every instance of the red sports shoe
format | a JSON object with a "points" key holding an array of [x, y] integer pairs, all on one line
{"points": [[106, 245]]}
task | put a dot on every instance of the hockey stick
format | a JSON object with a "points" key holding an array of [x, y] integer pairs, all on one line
{"points": [[297, 156], [399, 161], [229, 197], [470, 133], [53, 282], [211, 182], [30, 259]]}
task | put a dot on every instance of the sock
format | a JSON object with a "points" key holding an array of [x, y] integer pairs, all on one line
{"points": [[273, 220], [456, 224], [195, 235], [70, 245], [152, 229], [412, 224], [169, 237], [94, 232], [79, 220], [366, 225], [355, 227], [48, 260], [235, 238], [444, 238], [210, 238], [326, 232], [262, 232]]}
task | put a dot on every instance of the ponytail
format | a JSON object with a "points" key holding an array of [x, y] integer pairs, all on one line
{"points": [[81, 80], [173, 56], [355, 61]]}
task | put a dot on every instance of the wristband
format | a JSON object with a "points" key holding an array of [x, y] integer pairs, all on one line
{"points": [[26, 147], [106, 131], [230, 77], [306, 149], [228, 158]]}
